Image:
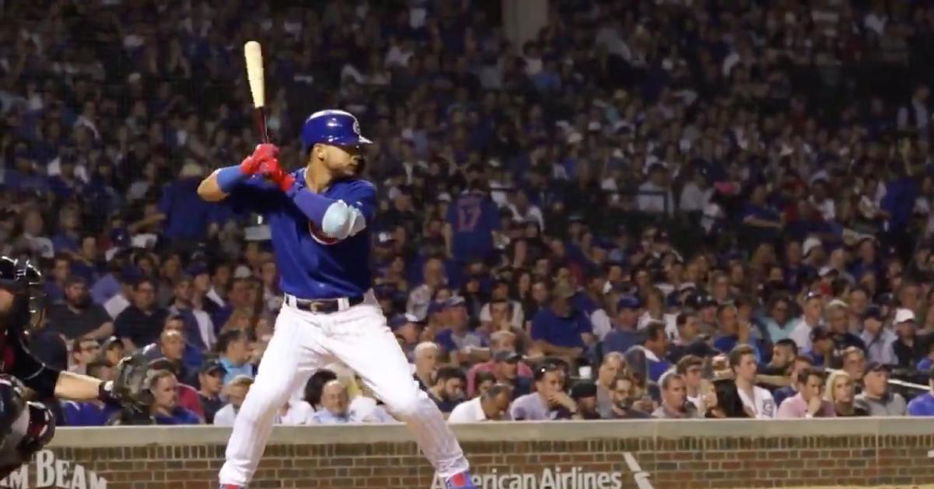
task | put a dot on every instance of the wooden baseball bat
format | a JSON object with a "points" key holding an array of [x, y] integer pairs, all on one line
{"points": [[255, 76]]}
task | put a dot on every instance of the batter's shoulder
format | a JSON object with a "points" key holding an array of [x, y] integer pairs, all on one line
{"points": [[358, 185]]}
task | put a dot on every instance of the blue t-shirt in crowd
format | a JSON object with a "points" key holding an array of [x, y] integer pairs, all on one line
{"points": [[234, 370], [64, 242], [783, 393], [86, 413], [179, 415], [583, 302], [726, 344], [657, 368], [449, 342], [560, 331], [187, 215], [922, 405], [899, 201], [621, 340], [924, 365], [105, 288]]}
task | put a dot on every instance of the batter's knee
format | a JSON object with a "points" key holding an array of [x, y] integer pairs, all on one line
{"points": [[405, 405], [265, 399]]}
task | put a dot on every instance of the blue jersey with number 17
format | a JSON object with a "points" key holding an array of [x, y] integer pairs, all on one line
{"points": [[312, 265], [473, 218]]}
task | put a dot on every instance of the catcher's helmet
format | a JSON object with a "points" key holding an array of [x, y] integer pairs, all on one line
{"points": [[24, 281], [332, 127]]}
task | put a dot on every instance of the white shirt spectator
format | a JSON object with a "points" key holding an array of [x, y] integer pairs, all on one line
{"points": [[40, 244], [297, 412], [655, 199], [609, 38], [914, 116], [801, 334], [532, 213], [601, 323], [215, 297], [762, 404], [419, 299], [879, 349], [225, 416], [827, 209], [694, 198], [205, 327], [115, 305], [363, 409], [875, 21], [398, 55], [518, 316], [468, 412]]}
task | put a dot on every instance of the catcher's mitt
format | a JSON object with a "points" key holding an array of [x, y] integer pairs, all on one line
{"points": [[133, 380]]}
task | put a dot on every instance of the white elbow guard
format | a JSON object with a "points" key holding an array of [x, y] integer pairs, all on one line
{"points": [[342, 221]]}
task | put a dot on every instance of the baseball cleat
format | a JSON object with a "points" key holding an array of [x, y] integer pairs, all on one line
{"points": [[459, 481]]}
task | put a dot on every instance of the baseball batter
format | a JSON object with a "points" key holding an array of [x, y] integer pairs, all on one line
{"points": [[319, 218]]}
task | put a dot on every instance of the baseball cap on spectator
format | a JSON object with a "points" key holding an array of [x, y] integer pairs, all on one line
{"points": [[400, 320], [866, 237], [242, 271], [508, 356], [810, 244], [583, 389], [628, 302], [384, 237], [110, 342], [702, 349], [903, 315], [211, 366], [873, 312], [687, 287], [130, 274], [436, 307], [877, 367], [120, 237], [827, 271], [454, 301], [818, 334], [397, 321], [197, 268], [700, 301]]}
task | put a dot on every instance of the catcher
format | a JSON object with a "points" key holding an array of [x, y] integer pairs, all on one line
{"points": [[26, 426]]}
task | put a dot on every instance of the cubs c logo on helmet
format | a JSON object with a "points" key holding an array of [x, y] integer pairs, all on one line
{"points": [[319, 236], [356, 126]]}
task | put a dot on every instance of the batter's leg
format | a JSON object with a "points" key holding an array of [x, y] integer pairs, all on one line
{"points": [[371, 350], [290, 358]]}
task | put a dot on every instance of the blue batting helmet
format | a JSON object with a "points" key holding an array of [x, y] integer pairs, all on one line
{"points": [[332, 127]]}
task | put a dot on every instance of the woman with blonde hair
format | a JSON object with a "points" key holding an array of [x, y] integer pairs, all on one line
{"points": [[840, 390]]}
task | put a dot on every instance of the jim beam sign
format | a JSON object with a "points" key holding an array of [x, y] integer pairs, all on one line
{"points": [[46, 471]]}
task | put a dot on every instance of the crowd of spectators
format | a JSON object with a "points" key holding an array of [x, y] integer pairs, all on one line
{"points": [[652, 209]]}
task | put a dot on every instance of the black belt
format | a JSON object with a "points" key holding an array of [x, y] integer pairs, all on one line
{"points": [[325, 306]]}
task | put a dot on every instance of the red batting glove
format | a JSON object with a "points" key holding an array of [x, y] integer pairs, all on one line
{"points": [[251, 165], [271, 169]]}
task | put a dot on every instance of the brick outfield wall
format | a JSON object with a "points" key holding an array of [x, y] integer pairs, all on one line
{"points": [[601, 455]]}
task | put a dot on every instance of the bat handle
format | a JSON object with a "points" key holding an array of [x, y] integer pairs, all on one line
{"points": [[260, 119]]}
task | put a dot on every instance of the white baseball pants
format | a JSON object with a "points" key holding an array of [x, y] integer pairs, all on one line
{"points": [[358, 337]]}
